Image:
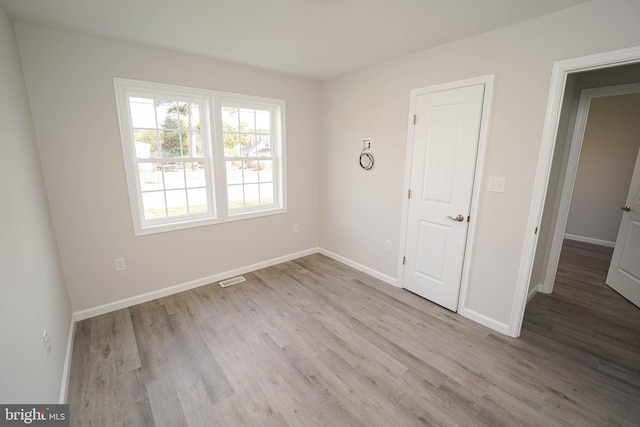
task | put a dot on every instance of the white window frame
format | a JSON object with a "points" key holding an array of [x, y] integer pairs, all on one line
{"points": [[210, 104], [277, 141]]}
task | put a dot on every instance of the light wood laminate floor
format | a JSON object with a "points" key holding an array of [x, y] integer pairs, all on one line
{"points": [[314, 343]]}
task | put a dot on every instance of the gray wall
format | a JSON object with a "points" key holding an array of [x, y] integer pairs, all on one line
{"points": [[607, 159], [33, 295], [69, 79], [357, 218]]}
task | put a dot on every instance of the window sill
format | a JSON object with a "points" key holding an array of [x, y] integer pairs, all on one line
{"points": [[186, 224]]}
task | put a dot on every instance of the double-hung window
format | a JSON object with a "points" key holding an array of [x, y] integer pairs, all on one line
{"points": [[181, 173], [251, 131]]}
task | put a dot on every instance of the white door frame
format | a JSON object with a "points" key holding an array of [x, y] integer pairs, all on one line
{"points": [[561, 70], [487, 81], [586, 96]]}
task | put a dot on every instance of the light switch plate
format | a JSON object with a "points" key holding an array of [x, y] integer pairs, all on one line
{"points": [[497, 184]]}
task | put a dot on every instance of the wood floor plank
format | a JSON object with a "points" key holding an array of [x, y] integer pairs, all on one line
{"points": [[80, 387], [165, 404], [124, 342], [312, 342], [133, 408]]}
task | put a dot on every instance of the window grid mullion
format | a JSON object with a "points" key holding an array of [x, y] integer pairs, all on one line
{"points": [[244, 183], [164, 194], [170, 160]]}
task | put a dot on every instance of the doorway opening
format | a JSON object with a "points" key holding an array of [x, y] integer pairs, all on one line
{"points": [[560, 217], [592, 171]]}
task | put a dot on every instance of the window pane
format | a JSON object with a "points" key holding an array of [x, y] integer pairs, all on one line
{"points": [[195, 175], [188, 140], [153, 204], [251, 195], [230, 119], [234, 172], [197, 200], [265, 170], [235, 195], [174, 175], [191, 143], [177, 202], [195, 117], [231, 147], [250, 171], [146, 143], [166, 111], [188, 114], [172, 142], [263, 121], [195, 144], [142, 113], [248, 142], [247, 120], [150, 177], [263, 146], [266, 194]]}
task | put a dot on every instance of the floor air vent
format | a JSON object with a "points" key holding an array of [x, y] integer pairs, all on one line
{"points": [[232, 281]]}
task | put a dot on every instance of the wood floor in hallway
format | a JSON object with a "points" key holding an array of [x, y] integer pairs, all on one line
{"points": [[312, 342]]}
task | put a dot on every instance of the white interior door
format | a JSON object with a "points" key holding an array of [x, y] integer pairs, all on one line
{"points": [[445, 145], [624, 270]]}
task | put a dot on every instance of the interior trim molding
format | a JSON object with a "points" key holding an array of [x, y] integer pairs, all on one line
{"points": [[66, 370], [533, 291], [497, 326], [149, 296], [362, 268], [591, 240]]}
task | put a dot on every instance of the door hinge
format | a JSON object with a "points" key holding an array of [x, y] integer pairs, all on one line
{"points": [[469, 219], [414, 119], [404, 260], [409, 194]]}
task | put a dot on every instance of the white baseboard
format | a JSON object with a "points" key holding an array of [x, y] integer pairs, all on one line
{"points": [[591, 240], [533, 291], [371, 272], [543, 289], [503, 328], [66, 371], [149, 296], [138, 299]]}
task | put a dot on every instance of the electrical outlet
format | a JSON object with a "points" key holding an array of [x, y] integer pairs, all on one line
{"points": [[366, 143], [120, 264], [46, 341], [387, 246], [296, 228]]}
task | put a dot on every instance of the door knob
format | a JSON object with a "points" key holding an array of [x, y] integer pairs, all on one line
{"points": [[626, 208], [458, 218]]}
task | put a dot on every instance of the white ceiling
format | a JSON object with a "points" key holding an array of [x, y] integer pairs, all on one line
{"points": [[317, 39]]}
